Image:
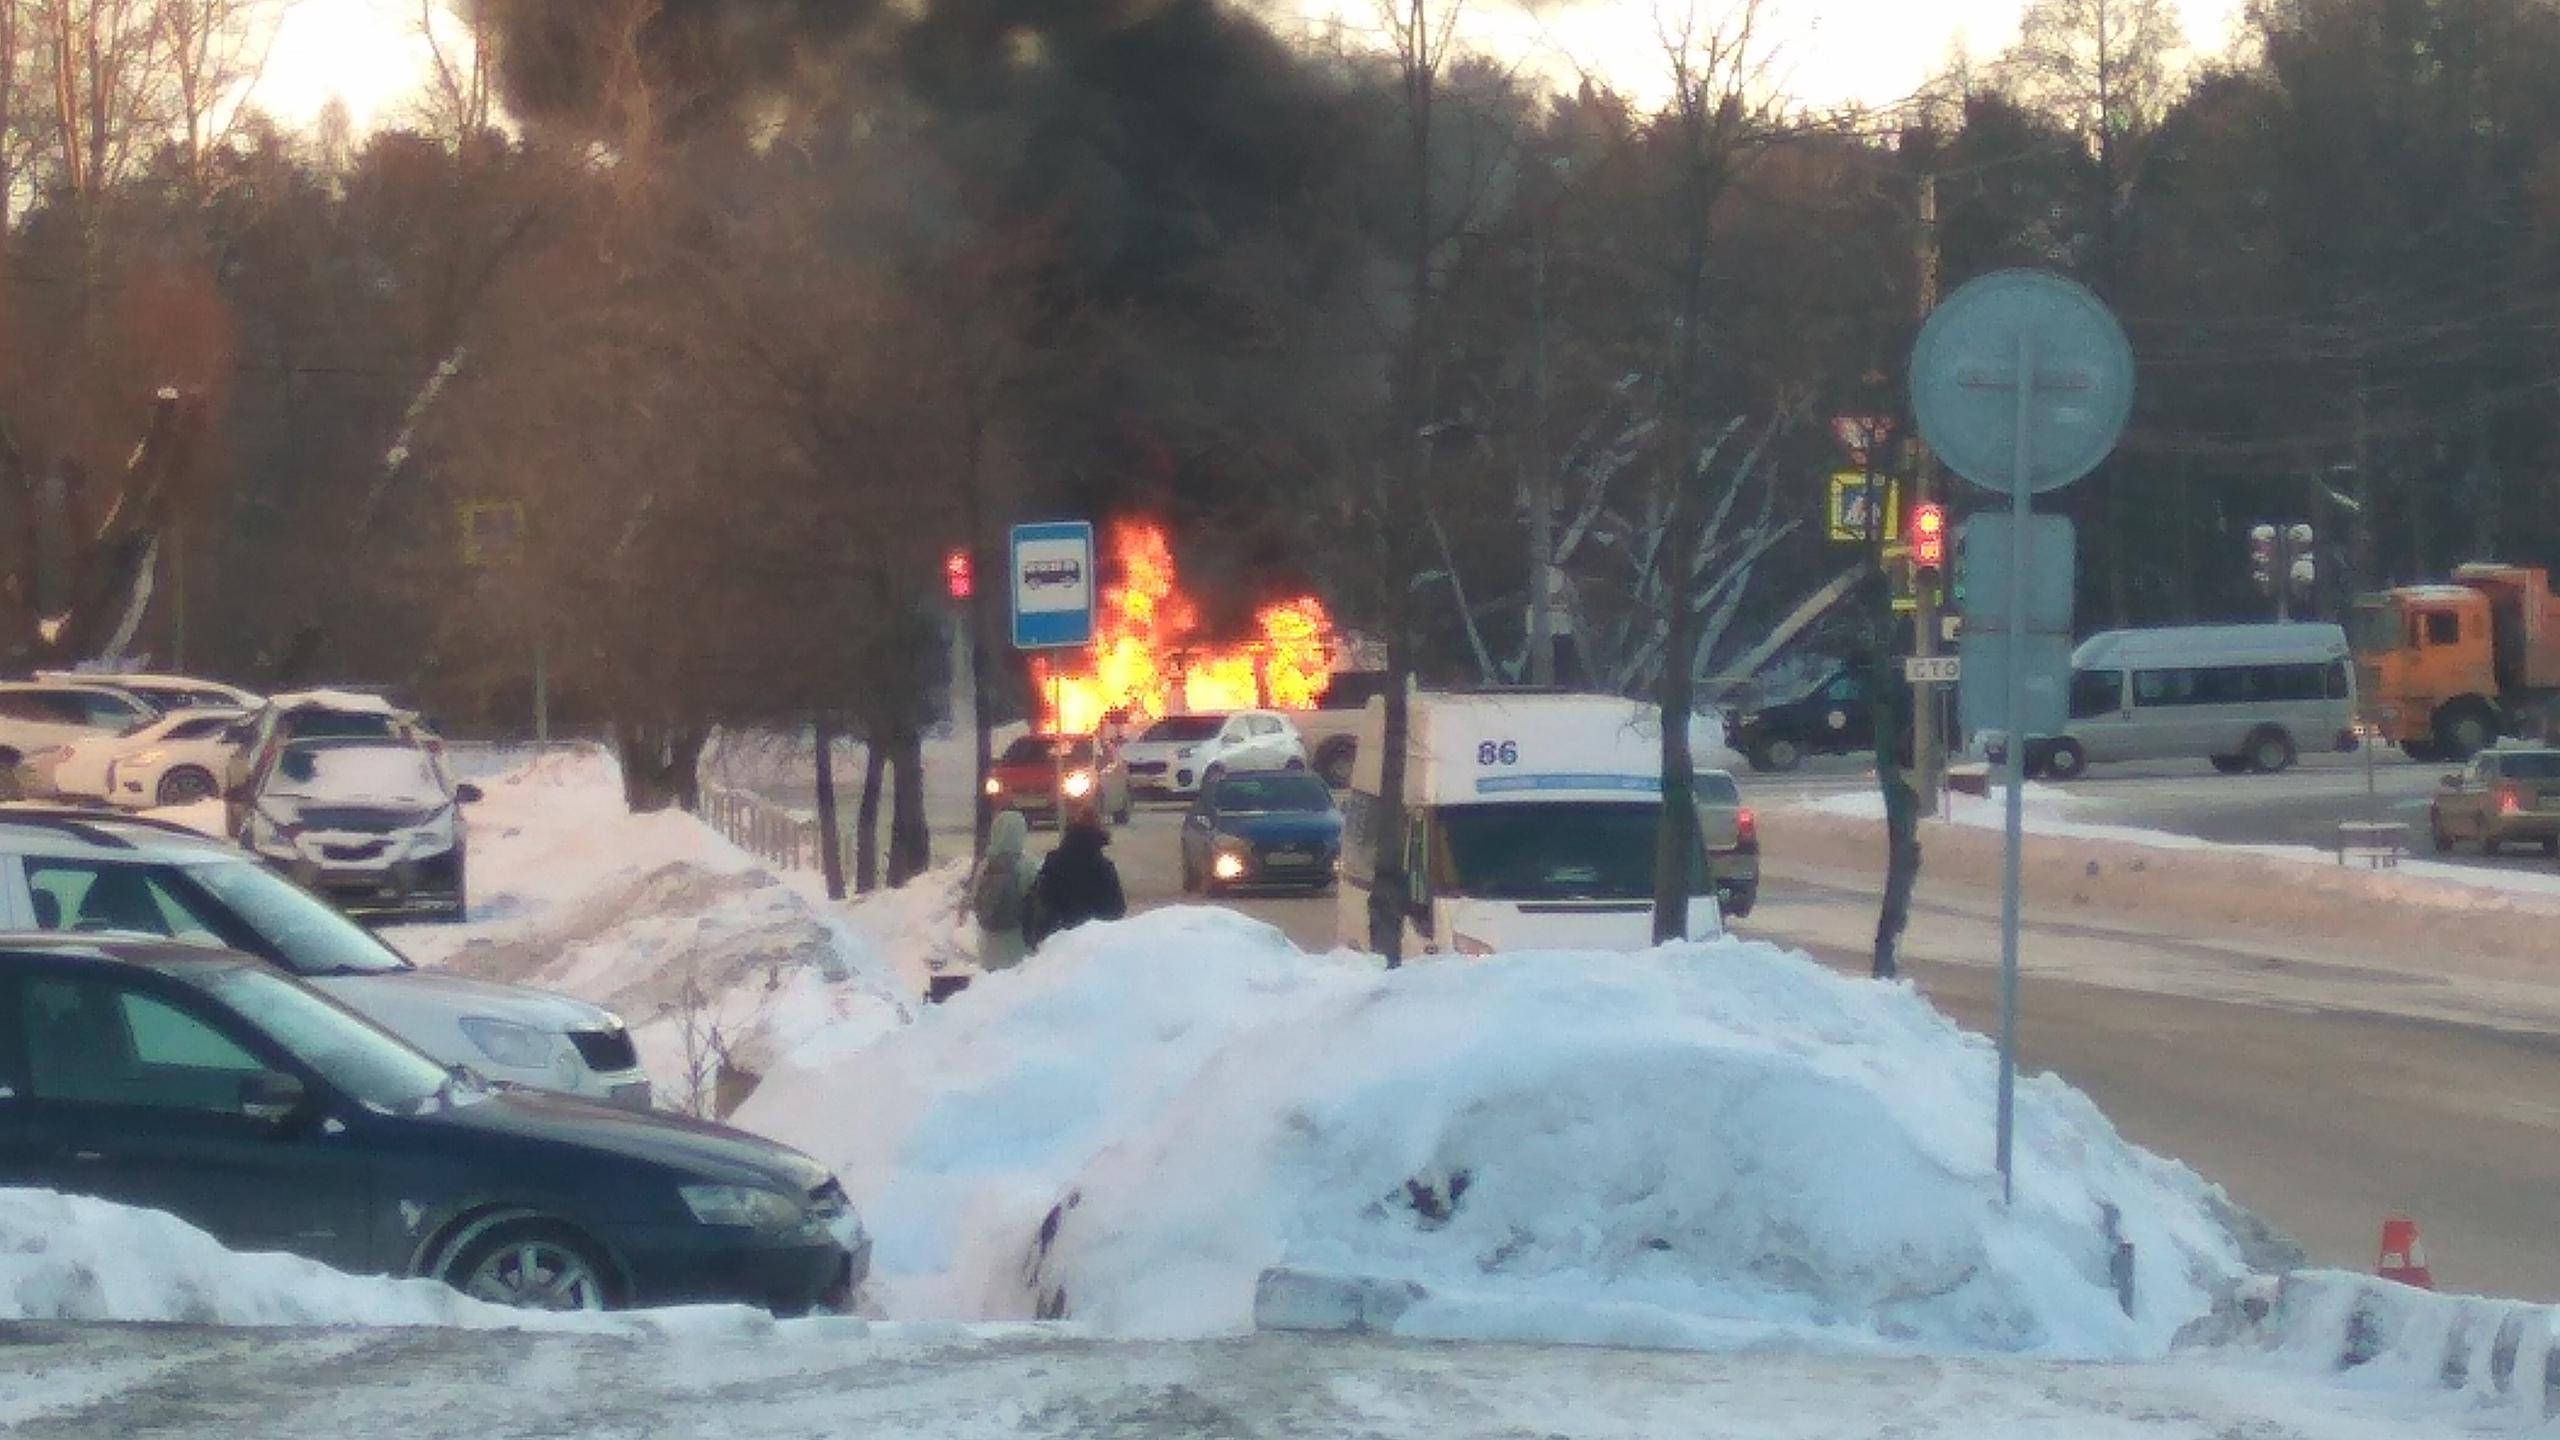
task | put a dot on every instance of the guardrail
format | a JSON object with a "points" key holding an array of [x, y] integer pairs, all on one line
{"points": [[776, 834]]}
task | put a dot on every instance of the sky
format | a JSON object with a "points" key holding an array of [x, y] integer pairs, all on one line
{"points": [[368, 52]]}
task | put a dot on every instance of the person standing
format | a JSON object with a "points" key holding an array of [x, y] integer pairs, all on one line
{"points": [[1078, 883], [1000, 895]]}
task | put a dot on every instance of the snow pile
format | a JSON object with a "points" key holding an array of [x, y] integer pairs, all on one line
{"points": [[1676, 1148], [2501, 1356], [67, 1258], [714, 961]]}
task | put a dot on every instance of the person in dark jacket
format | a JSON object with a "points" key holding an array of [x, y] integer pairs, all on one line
{"points": [[1077, 882]]}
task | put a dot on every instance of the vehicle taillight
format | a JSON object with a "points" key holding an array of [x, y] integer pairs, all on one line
{"points": [[1746, 825], [2509, 802]]}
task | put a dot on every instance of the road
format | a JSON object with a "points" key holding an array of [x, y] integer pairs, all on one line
{"points": [[2321, 1118]]}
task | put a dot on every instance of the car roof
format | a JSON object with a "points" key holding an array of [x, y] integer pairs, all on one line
{"points": [[63, 832], [352, 701], [147, 952]]}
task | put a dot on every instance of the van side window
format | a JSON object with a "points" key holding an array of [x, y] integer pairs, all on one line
{"points": [[2444, 627], [2163, 687], [2095, 693], [2338, 687]]}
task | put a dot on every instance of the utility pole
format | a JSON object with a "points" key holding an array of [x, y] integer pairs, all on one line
{"points": [[1928, 752]]}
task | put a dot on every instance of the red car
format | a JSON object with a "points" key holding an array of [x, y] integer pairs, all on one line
{"points": [[1030, 776]]}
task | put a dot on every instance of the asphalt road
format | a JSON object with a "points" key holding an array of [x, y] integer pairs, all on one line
{"points": [[2321, 1121]]}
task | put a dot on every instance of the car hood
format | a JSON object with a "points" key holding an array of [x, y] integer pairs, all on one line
{"points": [[399, 996], [693, 1149], [1282, 826], [1159, 749]]}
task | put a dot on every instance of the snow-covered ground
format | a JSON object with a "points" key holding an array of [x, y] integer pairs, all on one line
{"points": [[1188, 1134]]}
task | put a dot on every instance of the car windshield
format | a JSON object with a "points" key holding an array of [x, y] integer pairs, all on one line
{"points": [[1289, 791], [1599, 850], [1184, 727], [1716, 787], [370, 1065], [2375, 627], [2530, 765], [1035, 749], [384, 774], [304, 933]]}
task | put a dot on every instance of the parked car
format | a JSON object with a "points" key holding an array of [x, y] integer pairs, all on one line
{"points": [[1031, 777], [188, 1079], [37, 716], [167, 693], [1179, 753], [179, 762], [84, 769], [2503, 797], [1262, 829], [98, 872], [1733, 842], [375, 825]]}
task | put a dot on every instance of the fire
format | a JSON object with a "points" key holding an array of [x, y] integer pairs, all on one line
{"points": [[1148, 654]]}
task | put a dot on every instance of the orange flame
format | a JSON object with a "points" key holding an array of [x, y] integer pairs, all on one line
{"points": [[1149, 658]]}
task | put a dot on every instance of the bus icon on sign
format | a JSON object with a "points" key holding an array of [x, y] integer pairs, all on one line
{"points": [[1041, 574]]}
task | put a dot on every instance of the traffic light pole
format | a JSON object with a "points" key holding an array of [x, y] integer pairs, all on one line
{"points": [[1928, 753]]}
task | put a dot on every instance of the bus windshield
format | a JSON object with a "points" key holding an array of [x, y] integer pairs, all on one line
{"points": [[2376, 627], [1595, 850]]}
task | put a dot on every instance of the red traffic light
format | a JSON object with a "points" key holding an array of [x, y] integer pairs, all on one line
{"points": [[1929, 536], [956, 573]]}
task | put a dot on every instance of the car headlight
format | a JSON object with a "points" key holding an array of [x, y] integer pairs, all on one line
{"points": [[743, 1205], [518, 1047], [994, 786], [1228, 866], [1079, 784]]}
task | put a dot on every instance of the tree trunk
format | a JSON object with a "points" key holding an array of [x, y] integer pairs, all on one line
{"points": [[660, 765], [830, 834], [866, 819], [910, 838], [1901, 802], [1391, 888]]}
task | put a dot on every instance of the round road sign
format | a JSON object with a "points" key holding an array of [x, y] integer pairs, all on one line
{"points": [[1964, 379]]}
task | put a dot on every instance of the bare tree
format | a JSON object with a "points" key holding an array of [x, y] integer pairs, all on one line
{"points": [[213, 54], [461, 99]]}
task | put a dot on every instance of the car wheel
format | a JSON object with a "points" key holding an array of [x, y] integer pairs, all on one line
{"points": [[2230, 764], [2065, 761], [2464, 730], [2271, 752], [186, 785], [1740, 908], [1776, 753], [533, 1265]]}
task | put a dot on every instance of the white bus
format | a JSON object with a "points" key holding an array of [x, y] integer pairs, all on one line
{"points": [[1530, 823], [2246, 697]]}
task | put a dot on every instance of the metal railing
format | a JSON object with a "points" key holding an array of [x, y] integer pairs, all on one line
{"points": [[777, 834]]}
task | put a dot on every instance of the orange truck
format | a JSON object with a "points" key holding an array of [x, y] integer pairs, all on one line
{"points": [[2444, 670]]}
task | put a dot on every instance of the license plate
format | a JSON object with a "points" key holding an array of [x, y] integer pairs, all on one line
{"points": [[1288, 857]]}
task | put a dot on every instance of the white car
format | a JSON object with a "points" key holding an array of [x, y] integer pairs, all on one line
{"points": [[102, 873], [178, 762], [86, 769], [169, 693], [1180, 753], [38, 717]]}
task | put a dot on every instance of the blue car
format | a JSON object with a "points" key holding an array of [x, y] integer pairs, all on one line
{"points": [[1274, 828]]}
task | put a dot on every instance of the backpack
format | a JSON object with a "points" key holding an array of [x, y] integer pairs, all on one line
{"points": [[998, 901]]}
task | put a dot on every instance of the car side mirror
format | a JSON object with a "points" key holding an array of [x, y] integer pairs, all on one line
{"points": [[272, 1097], [468, 793], [2453, 782]]}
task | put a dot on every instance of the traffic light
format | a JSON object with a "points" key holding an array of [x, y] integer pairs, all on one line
{"points": [[957, 574], [1929, 537], [2302, 571], [2262, 557]]}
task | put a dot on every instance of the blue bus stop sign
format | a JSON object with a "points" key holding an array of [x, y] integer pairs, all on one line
{"points": [[1964, 379], [1053, 585]]}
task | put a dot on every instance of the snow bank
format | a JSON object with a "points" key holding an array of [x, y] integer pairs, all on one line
{"points": [[67, 1258], [1679, 1146], [715, 961]]}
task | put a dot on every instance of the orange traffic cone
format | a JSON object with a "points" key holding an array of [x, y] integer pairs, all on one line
{"points": [[2404, 1257]]}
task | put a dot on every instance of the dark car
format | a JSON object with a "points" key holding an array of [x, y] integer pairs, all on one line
{"points": [[196, 1081], [1275, 827], [1836, 717]]}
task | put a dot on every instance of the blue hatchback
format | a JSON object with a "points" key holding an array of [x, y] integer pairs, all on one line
{"points": [[1275, 828]]}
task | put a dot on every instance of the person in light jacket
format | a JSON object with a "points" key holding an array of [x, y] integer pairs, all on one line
{"points": [[1000, 894]]}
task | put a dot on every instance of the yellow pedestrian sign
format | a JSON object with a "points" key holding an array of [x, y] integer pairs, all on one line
{"points": [[1854, 498]]}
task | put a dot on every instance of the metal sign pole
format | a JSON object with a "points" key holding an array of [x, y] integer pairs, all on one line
{"points": [[2011, 880]]}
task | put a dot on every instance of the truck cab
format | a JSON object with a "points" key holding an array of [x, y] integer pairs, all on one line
{"points": [[2444, 670]]}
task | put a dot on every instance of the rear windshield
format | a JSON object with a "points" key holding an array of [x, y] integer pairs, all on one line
{"points": [[1185, 727], [337, 725], [2530, 765], [1715, 787]]}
